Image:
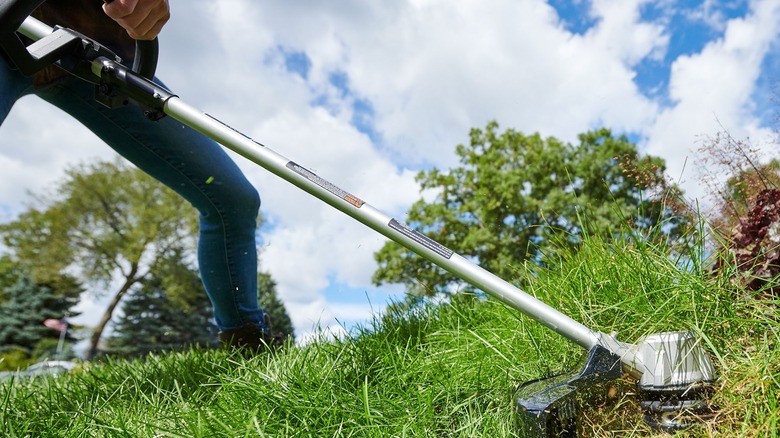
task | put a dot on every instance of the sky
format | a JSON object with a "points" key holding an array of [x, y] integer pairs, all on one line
{"points": [[367, 94]]}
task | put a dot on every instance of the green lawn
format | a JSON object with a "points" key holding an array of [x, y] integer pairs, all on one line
{"points": [[441, 371]]}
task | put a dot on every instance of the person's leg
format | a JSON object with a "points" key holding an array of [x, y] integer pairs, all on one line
{"points": [[13, 85], [200, 171]]}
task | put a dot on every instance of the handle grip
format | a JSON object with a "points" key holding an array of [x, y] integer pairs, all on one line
{"points": [[146, 55], [12, 15]]}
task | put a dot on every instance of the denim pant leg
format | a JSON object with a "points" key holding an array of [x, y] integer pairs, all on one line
{"points": [[199, 170], [13, 85]]}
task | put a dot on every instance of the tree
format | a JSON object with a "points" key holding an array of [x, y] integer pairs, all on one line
{"points": [[107, 221], [9, 275], [154, 319], [24, 306], [514, 197], [11, 271], [273, 307], [23, 314]]}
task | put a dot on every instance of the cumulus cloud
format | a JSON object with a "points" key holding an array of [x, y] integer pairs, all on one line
{"points": [[382, 89], [431, 70], [713, 90]]}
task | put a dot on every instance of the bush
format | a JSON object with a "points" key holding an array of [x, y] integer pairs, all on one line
{"points": [[15, 358]]}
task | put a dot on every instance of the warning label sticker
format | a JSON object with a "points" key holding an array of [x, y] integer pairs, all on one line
{"points": [[422, 239], [311, 176]]}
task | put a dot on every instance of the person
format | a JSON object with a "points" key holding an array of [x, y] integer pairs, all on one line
{"points": [[194, 166]]}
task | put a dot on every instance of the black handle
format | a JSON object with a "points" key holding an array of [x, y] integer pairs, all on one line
{"points": [[14, 12], [146, 54]]}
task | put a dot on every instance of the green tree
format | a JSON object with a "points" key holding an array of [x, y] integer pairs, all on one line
{"points": [[23, 314], [273, 307], [154, 319], [107, 221], [62, 285], [9, 275], [514, 197], [24, 305]]}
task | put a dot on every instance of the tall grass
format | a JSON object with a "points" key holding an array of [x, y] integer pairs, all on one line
{"points": [[446, 370]]}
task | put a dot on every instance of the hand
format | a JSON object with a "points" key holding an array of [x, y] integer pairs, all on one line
{"points": [[143, 19]]}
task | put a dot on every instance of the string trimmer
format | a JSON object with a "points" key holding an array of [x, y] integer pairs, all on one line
{"points": [[674, 372]]}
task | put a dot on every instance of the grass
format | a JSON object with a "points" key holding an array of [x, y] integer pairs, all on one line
{"points": [[443, 371]]}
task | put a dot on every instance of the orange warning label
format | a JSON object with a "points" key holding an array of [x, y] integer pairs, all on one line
{"points": [[311, 176]]}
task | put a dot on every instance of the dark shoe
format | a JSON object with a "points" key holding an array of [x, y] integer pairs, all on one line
{"points": [[251, 339]]}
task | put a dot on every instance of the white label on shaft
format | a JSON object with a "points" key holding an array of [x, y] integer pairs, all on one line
{"points": [[311, 176], [422, 239]]}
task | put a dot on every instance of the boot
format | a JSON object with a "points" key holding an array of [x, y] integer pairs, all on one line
{"points": [[250, 338]]}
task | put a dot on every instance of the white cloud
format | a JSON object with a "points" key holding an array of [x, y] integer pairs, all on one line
{"points": [[623, 34], [709, 13], [36, 144], [715, 87], [431, 70]]}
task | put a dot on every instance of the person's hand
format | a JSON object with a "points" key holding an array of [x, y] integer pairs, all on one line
{"points": [[143, 19]]}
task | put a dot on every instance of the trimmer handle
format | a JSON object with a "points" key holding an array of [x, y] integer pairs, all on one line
{"points": [[12, 15], [146, 54]]}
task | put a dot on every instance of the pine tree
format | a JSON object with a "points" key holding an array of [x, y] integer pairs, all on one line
{"points": [[154, 320], [9, 275], [111, 221], [27, 306], [273, 307]]}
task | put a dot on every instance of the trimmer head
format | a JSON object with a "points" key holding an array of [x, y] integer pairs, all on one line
{"points": [[677, 384], [675, 376], [550, 407]]}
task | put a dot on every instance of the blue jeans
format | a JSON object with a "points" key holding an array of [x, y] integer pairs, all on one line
{"points": [[194, 166]]}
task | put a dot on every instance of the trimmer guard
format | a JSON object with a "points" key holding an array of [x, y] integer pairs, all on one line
{"points": [[549, 407]]}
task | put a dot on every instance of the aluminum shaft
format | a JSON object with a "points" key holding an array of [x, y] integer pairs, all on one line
{"points": [[373, 218], [353, 206]]}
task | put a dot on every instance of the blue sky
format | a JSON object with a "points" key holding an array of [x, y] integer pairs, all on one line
{"points": [[366, 94]]}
